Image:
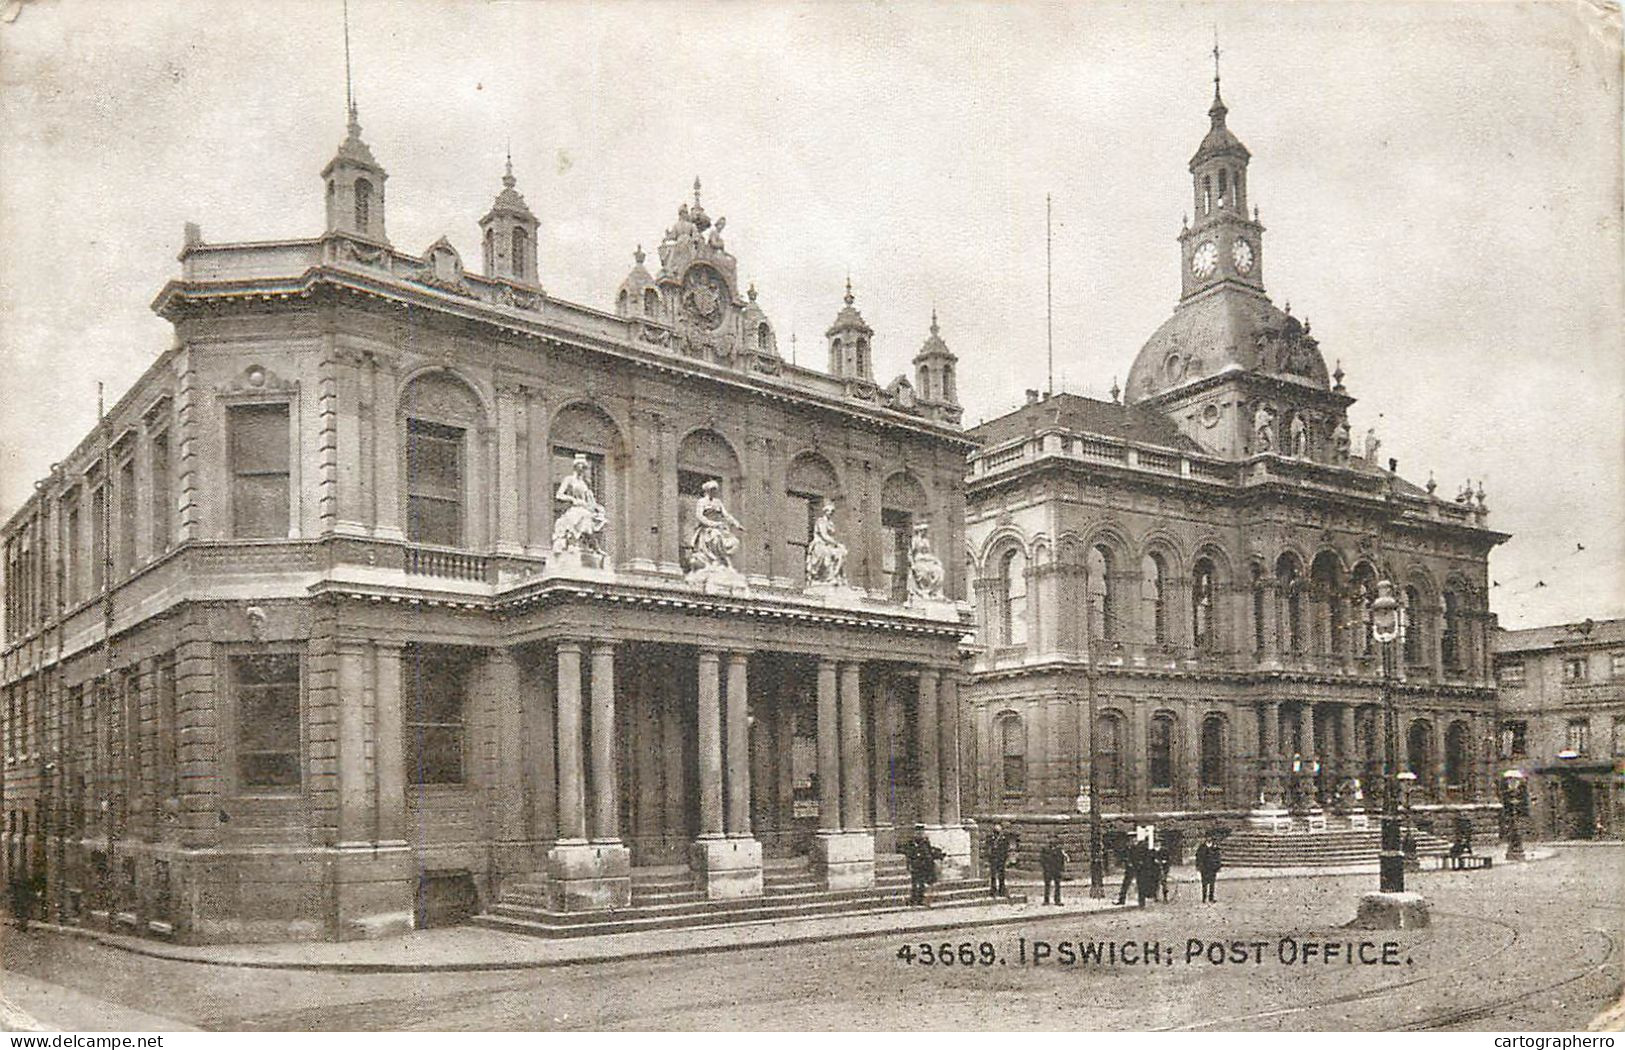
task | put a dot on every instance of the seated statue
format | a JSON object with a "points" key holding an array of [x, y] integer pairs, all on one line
{"points": [[578, 526], [925, 573], [826, 558], [713, 544]]}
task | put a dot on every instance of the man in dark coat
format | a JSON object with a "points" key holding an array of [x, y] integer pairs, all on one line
{"points": [[1052, 859], [1164, 862], [1208, 863], [999, 844], [922, 866], [1133, 861], [23, 890]]}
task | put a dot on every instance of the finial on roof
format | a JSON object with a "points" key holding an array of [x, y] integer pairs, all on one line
{"points": [[1215, 62], [933, 319], [751, 291], [1289, 307], [1117, 391], [507, 171], [1432, 485], [638, 256], [849, 289], [1337, 376], [349, 88], [696, 191]]}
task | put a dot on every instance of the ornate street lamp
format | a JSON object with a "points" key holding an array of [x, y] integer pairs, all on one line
{"points": [[1388, 628], [1512, 802]]}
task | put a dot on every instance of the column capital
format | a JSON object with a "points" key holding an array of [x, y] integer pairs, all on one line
{"points": [[351, 645], [600, 646], [573, 645]]}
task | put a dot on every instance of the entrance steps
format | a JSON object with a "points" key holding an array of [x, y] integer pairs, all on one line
{"points": [[667, 899], [1253, 848]]}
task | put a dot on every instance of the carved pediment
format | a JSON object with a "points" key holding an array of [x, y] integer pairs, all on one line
{"points": [[256, 379], [443, 269]]}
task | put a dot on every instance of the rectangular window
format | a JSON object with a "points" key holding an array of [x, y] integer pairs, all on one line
{"points": [[161, 501], [434, 483], [127, 516], [1511, 674], [1616, 665], [434, 716], [1514, 739], [1574, 669], [70, 554], [257, 451], [1618, 742], [1577, 736], [803, 515], [898, 526], [267, 691]]}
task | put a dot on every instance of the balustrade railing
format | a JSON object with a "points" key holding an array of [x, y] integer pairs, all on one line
{"points": [[456, 565]]}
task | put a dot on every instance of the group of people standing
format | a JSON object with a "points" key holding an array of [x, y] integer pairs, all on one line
{"points": [[1145, 866]]}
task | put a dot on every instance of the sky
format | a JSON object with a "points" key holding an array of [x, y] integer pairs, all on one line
{"points": [[1440, 183]]}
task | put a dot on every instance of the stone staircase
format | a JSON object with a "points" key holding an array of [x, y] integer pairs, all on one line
{"points": [[666, 899], [1254, 848]]}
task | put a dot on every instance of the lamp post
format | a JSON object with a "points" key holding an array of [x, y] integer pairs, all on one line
{"points": [[1387, 627], [1512, 801]]}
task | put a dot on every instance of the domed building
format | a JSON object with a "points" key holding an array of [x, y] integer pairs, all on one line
{"points": [[1173, 586]]}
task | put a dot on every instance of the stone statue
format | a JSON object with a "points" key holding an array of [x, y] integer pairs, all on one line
{"points": [[1300, 436], [1372, 445], [578, 526], [715, 240], [1263, 429], [826, 558], [714, 544], [1340, 442], [925, 573]]}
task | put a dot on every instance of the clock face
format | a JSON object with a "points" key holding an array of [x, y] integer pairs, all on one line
{"points": [[1242, 254], [1204, 259]]}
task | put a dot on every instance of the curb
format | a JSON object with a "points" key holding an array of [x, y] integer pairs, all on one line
{"points": [[137, 947]]}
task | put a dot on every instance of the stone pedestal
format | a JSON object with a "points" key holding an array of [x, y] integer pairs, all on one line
{"points": [[578, 564], [589, 876], [719, 579], [1392, 911], [727, 868], [840, 595], [954, 842], [1268, 817], [846, 859]]}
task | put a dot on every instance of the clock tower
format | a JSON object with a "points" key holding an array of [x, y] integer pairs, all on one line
{"points": [[1223, 244]]}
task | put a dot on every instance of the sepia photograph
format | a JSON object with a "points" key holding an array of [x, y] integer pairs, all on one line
{"points": [[812, 515]]}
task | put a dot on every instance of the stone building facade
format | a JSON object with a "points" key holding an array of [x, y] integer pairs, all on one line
{"points": [[1562, 711], [296, 644], [1205, 547]]}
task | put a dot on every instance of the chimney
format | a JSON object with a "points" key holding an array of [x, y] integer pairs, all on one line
{"points": [[1032, 397], [1393, 466]]}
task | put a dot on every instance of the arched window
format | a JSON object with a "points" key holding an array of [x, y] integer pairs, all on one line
{"points": [[1419, 749], [1450, 640], [491, 253], [1109, 750], [1202, 604], [1159, 752], [1012, 738], [764, 337], [1207, 194], [1154, 596], [1098, 582], [363, 204], [1364, 592], [1326, 588], [1013, 585], [1224, 186], [651, 302], [521, 251], [1415, 625], [1213, 751], [863, 357], [1456, 754]]}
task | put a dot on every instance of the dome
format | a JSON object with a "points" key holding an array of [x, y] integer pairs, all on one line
{"points": [[1226, 332]]}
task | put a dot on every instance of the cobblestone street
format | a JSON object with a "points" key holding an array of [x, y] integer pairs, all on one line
{"points": [[1523, 947]]}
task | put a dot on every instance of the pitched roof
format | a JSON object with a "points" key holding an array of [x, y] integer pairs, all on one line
{"points": [[1561, 636], [1107, 418]]}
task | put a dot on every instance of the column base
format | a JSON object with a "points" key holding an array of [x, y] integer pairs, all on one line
{"points": [[846, 859], [589, 876], [954, 841], [727, 869], [1392, 911]]}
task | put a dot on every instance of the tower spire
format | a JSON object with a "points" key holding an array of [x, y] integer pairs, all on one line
{"points": [[349, 83], [1215, 62]]}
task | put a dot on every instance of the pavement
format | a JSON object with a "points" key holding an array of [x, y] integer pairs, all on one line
{"points": [[469, 948]]}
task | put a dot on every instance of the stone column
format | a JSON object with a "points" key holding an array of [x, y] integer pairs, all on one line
{"points": [[1190, 780], [854, 790], [390, 751], [1269, 749], [1138, 755], [710, 750], [948, 719], [784, 748], [763, 732], [881, 708], [674, 775], [502, 679], [1348, 764], [354, 797], [541, 770], [572, 812], [829, 754], [930, 770], [605, 798], [738, 748], [1272, 640], [1306, 731]]}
